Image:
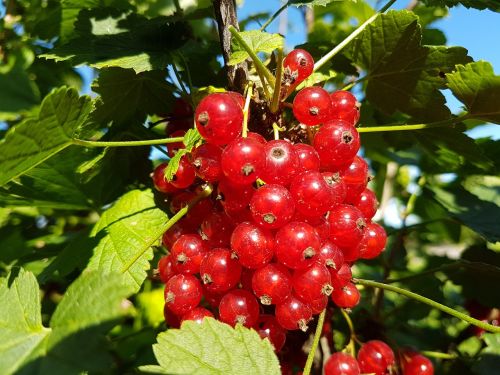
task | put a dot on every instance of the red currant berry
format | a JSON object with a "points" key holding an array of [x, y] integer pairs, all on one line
{"points": [[239, 306], [293, 314], [182, 293], [198, 212], [160, 182], [175, 231], [281, 162], [219, 118], [367, 204], [375, 357], [417, 364], [272, 284], [206, 160], [185, 174], [308, 157], [234, 197], [373, 241], [197, 314], [217, 229], [311, 194], [346, 297], [341, 276], [272, 206], [345, 106], [259, 138], [331, 256], [213, 299], [268, 327], [341, 364], [297, 245], [297, 66], [312, 106], [318, 305], [187, 253], [253, 245], [312, 283], [336, 185], [166, 268], [346, 226], [171, 319], [238, 98], [220, 271], [243, 160], [337, 142], [172, 148], [355, 178]]}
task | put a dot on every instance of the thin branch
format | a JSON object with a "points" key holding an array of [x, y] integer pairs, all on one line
{"points": [[273, 17], [148, 142], [394, 128], [314, 346]]}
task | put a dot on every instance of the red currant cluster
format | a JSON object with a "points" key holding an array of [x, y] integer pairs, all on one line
{"points": [[376, 357], [285, 223]]}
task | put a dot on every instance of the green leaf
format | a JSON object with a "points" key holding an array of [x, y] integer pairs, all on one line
{"points": [[20, 321], [258, 41], [61, 114], [126, 233], [213, 347], [133, 42], [191, 138], [493, 5], [477, 86], [89, 307], [402, 74], [479, 215], [127, 95]]}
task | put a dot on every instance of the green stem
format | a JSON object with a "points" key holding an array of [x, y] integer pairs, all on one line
{"points": [[149, 142], [439, 355], [314, 346], [410, 205], [436, 305], [393, 128], [349, 38], [277, 84], [259, 65], [246, 111], [274, 16]]}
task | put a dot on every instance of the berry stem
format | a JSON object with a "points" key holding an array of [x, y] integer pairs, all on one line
{"points": [[353, 35], [393, 128], [276, 131], [274, 16], [259, 65], [351, 326], [149, 142], [246, 110], [428, 301], [439, 355], [314, 346], [277, 84]]}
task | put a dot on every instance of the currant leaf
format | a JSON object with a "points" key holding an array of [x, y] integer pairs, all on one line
{"points": [[478, 4], [213, 347], [477, 86], [258, 41]]}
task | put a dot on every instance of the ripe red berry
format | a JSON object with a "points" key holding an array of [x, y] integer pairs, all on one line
{"points": [[175, 231], [293, 314], [297, 66], [272, 284], [346, 226], [171, 319], [280, 164], [166, 268], [355, 178], [253, 245], [198, 212], [187, 253], [185, 174], [182, 293], [375, 357], [337, 142], [272, 206], [197, 314], [160, 182], [308, 157], [268, 327], [234, 197], [373, 241], [341, 276], [297, 245], [207, 162], [341, 364], [219, 118], [336, 185], [331, 256], [367, 204], [239, 306], [417, 364], [243, 160], [172, 148], [311, 194], [312, 106], [346, 297], [318, 305], [312, 283], [217, 229], [259, 138], [345, 106], [220, 271]]}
